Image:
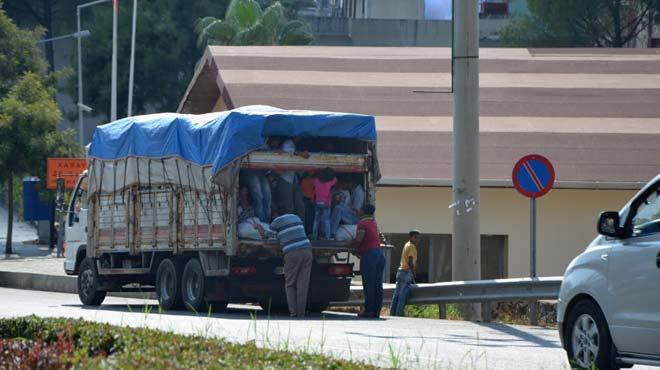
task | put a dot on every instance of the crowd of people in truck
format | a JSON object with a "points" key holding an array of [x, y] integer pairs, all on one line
{"points": [[326, 202]]}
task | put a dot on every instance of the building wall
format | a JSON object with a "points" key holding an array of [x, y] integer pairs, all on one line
{"points": [[386, 9], [566, 220], [396, 32], [518, 7], [392, 32]]}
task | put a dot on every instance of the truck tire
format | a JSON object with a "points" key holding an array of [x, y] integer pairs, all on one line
{"points": [[168, 284], [88, 282], [193, 285]]}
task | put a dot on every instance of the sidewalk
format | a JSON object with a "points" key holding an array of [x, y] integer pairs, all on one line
{"points": [[30, 266], [23, 240]]}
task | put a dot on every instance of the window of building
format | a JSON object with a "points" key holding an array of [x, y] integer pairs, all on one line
{"points": [[434, 257]]}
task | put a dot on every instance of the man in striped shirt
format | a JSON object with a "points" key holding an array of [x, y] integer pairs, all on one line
{"points": [[297, 260]]}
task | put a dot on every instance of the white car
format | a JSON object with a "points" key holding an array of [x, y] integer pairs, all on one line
{"points": [[609, 302]]}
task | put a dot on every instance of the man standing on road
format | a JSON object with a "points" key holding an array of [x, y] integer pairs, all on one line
{"points": [[372, 262], [297, 261], [405, 277]]}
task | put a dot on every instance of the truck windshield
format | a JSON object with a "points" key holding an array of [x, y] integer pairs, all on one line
{"points": [[79, 200]]}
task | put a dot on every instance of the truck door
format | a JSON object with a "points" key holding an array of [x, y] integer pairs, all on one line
{"points": [[76, 220]]}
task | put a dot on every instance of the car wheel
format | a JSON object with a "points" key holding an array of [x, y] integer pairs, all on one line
{"points": [[587, 338], [193, 285], [168, 284], [88, 282]]}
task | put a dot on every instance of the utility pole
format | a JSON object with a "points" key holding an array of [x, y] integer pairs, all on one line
{"points": [[132, 65], [80, 87], [466, 248], [81, 106], [113, 102]]}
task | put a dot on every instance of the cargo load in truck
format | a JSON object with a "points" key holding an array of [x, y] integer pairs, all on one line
{"points": [[164, 194]]}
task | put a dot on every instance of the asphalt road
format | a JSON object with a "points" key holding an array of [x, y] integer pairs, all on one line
{"points": [[410, 343]]}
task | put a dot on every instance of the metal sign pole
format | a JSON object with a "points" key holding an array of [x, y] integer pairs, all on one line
{"points": [[532, 236], [59, 199], [533, 312]]}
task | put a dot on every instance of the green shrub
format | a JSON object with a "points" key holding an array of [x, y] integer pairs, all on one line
{"points": [[102, 346]]}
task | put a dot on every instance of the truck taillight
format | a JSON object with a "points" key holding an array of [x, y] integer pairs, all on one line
{"points": [[340, 270], [244, 271]]}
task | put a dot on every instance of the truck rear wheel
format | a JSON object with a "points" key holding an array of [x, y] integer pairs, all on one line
{"points": [[88, 282], [168, 284], [193, 285]]}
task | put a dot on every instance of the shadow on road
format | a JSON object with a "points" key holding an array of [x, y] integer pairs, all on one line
{"points": [[524, 336], [233, 313], [522, 339]]}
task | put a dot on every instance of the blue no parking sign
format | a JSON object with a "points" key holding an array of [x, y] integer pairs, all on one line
{"points": [[533, 175]]}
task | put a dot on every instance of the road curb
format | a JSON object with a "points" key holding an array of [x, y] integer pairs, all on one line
{"points": [[30, 281], [53, 283]]}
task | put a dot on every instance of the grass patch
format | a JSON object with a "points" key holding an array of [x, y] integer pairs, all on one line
{"points": [[36, 343], [431, 311]]}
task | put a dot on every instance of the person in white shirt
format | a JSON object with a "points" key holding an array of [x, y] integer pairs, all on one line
{"points": [[343, 212], [289, 194]]}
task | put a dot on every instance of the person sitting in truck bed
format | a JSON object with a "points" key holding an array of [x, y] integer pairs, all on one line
{"points": [[342, 210], [322, 197]]}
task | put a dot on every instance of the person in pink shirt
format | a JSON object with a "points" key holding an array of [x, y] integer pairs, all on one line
{"points": [[323, 198]]}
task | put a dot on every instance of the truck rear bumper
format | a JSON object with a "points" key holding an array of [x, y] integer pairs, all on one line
{"points": [[321, 289]]}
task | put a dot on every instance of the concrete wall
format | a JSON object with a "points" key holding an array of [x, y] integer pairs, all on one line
{"points": [[385, 9], [566, 220], [518, 7], [391, 32], [395, 32]]}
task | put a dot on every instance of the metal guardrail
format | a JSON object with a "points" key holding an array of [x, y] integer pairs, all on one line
{"points": [[470, 291]]}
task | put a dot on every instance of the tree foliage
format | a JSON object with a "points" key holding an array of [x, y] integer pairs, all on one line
{"points": [[291, 7], [18, 53], [51, 15], [28, 112], [165, 54], [586, 23], [246, 23]]}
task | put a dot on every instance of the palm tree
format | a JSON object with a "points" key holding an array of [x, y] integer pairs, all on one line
{"points": [[245, 23]]}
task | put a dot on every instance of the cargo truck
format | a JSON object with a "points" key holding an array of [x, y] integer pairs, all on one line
{"points": [[157, 207]]}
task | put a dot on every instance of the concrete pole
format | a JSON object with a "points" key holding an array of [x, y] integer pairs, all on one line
{"points": [[113, 88], [132, 65], [466, 248], [80, 86]]}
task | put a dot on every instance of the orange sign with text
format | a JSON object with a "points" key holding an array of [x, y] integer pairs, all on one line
{"points": [[67, 168]]}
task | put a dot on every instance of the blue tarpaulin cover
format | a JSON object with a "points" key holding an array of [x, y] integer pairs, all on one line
{"points": [[218, 139]]}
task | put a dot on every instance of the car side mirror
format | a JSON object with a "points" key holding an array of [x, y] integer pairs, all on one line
{"points": [[609, 224]]}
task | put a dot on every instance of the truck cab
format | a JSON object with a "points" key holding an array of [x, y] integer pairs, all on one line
{"points": [[75, 243]]}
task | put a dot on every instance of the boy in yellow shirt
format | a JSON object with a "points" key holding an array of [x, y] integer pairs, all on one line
{"points": [[406, 274]]}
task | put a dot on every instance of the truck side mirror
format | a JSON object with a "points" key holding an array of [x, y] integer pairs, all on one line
{"points": [[609, 224]]}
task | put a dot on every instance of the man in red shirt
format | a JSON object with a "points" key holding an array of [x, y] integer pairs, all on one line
{"points": [[372, 262]]}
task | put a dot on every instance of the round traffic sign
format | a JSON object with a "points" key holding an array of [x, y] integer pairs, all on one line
{"points": [[533, 175]]}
